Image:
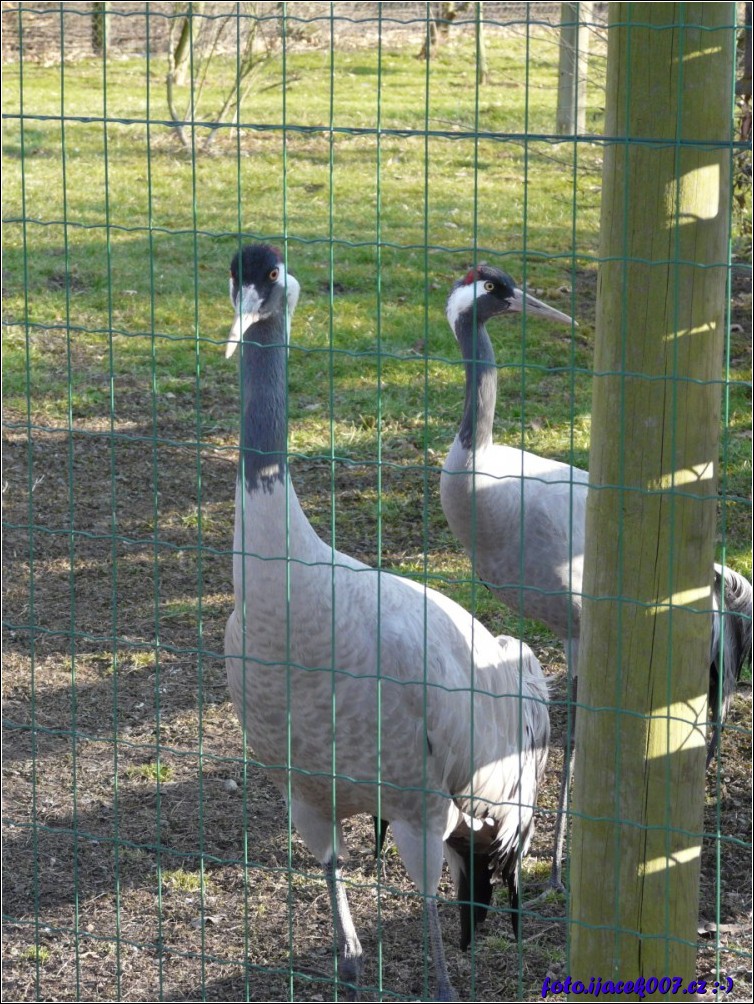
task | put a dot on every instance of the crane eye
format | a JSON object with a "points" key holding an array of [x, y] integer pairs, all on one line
{"points": [[489, 286], [273, 276]]}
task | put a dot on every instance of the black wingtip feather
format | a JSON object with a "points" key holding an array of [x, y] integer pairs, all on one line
{"points": [[474, 906], [380, 832]]}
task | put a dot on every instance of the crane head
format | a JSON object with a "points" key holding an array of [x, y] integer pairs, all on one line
{"points": [[490, 292], [260, 287]]}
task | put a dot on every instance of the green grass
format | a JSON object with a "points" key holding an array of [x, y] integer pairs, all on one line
{"points": [[120, 268], [141, 660], [37, 954], [154, 772], [180, 880]]}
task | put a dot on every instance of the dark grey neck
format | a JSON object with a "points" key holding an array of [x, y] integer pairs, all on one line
{"points": [[481, 383], [263, 456]]}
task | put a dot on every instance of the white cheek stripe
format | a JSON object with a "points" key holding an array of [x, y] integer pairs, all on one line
{"points": [[463, 299], [292, 288], [250, 300], [247, 313]]}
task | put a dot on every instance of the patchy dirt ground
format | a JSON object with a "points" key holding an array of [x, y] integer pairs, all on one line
{"points": [[144, 858]]}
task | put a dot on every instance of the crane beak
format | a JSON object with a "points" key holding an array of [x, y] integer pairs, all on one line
{"points": [[247, 313], [524, 303]]}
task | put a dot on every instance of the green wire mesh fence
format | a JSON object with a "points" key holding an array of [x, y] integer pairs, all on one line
{"points": [[386, 149]]}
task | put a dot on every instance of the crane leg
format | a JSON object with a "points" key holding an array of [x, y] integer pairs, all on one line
{"points": [[349, 948], [421, 853], [445, 991], [561, 825]]}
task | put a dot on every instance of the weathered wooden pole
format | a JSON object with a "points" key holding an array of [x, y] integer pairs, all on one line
{"points": [[644, 658], [573, 60]]}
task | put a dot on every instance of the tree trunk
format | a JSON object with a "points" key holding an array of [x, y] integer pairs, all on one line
{"points": [[743, 85], [572, 68], [439, 26], [644, 658], [99, 27], [482, 73], [182, 52]]}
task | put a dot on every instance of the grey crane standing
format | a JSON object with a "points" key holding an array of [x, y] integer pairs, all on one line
{"points": [[521, 516], [365, 692], [730, 645]]}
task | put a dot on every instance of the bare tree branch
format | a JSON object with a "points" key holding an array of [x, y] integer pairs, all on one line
{"points": [[185, 54]]}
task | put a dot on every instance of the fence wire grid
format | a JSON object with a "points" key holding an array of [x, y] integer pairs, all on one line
{"points": [[386, 149]]}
